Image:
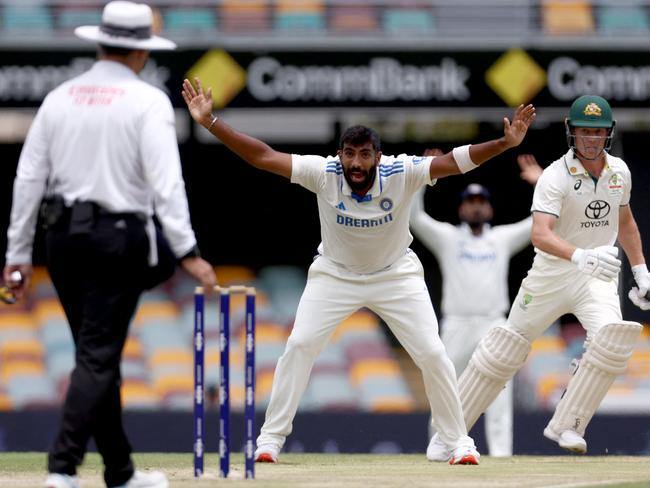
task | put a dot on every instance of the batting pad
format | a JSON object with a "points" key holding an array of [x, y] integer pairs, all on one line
{"points": [[606, 358], [496, 359]]}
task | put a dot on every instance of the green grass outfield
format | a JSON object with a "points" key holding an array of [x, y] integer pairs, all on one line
{"points": [[18, 470]]}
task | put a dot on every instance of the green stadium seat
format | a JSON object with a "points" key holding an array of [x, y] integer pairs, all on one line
{"points": [[631, 19], [407, 21], [30, 18], [69, 18], [299, 21], [190, 19]]}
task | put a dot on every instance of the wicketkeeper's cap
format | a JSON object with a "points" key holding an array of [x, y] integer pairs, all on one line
{"points": [[475, 190]]}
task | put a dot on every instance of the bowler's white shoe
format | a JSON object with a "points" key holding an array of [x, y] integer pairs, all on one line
{"points": [[150, 479], [437, 450], [568, 439], [267, 453], [56, 480], [465, 455]]}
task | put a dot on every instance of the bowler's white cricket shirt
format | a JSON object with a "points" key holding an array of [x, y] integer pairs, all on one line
{"points": [[474, 268], [370, 233], [587, 209], [108, 137]]}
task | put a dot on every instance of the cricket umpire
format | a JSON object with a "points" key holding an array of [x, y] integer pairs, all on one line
{"points": [[102, 155]]}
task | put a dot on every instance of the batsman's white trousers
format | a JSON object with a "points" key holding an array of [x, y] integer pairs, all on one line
{"points": [[400, 297], [552, 290], [461, 335]]}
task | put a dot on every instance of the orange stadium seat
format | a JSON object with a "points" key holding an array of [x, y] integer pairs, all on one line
{"points": [[567, 17], [244, 16], [354, 17]]}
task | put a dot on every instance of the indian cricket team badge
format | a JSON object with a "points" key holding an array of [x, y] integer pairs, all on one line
{"points": [[525, 301], [386, 204], [615, 184]]}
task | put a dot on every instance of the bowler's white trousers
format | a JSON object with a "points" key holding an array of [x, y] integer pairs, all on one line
{"points": [[400, 297], [461, 335]]}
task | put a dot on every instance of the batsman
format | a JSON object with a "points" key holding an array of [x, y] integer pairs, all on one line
{"points": [[581, 206]]}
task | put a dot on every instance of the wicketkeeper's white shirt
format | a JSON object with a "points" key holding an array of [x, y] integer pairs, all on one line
{"points": [[474, 268], [108, 137], [367, 234], [587, 209]]}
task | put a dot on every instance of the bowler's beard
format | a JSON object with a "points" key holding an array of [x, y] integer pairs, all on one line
{"points": [[365, 183]]}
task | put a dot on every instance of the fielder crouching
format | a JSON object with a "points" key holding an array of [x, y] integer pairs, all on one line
{"points": [[581, 206]]}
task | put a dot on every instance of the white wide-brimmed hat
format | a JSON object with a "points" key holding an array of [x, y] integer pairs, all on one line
{"points": [[127, 25]]}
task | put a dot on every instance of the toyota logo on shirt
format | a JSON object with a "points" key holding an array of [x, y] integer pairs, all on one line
{"points": [[598, 209]]}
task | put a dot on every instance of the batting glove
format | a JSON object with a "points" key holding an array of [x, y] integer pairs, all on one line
{"points": [[642, 278], [638, 299], [600, 262]]}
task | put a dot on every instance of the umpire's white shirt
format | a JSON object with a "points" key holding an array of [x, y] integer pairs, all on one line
{"points": [[587, 210], [108, 137], [368, 234], [474, 268]]}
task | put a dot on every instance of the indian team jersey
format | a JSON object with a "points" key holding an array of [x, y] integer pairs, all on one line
{"points": [[587, 209], [363, 234]]}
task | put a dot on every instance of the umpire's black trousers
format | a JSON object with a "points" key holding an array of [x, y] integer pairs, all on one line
{"points": [[97, 274]]}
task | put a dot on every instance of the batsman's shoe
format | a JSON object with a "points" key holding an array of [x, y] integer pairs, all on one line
{"points": [[267, 453], [465, 455], [56, 480], [437, 450], [568, 439], [151, 479]]}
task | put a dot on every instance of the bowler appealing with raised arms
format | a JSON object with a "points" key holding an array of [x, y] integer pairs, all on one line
{"points": [[364, 200]]}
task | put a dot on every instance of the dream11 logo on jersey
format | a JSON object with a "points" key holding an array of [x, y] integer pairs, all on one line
{"points": [[596, 210]]}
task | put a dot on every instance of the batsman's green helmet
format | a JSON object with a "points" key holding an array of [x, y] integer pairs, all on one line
{"points": [[591, 111]]}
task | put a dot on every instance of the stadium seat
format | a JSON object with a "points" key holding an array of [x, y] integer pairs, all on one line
{"points": [[194, 20], [26, 18], [487, 19], [354, 17], [622, 20], [401, 21], [299, 16], [70, 17], [572, 17], [237, 16]]}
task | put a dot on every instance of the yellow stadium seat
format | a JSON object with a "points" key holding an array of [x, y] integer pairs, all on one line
{"points": [[23, 320], [156, 310], [263, 383], [373, 367], [549, 384], [9, 369], [361, 320], [5, 403], [269, 332], [47, 308], [393, 404], [132, 348], [173, 384], [31, 349], [136, 393], [170, 356], [312, 6], [547, 344]]}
